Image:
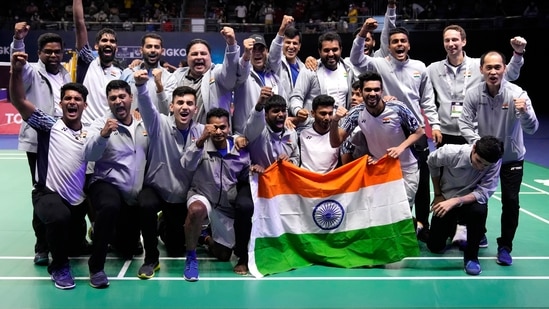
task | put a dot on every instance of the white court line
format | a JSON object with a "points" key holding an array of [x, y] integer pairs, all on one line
{"points": [[533, 215], [111, 258], [124, 269], [535, 188], [275, 278]]}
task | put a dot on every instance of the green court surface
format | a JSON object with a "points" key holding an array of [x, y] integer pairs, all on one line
{"points": [[427, 281]]}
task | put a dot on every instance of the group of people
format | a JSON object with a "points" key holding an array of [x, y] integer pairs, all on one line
{"points": [[122, 145]]}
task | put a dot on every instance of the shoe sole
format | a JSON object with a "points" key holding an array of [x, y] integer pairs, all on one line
{"points": [[102, 286], [67, 287], [503, 263], [483, 246], [42, 262], [145, 276], [192, 279], [470, 274]]}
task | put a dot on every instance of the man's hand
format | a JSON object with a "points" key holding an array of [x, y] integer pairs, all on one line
{"points": [[228, 34], [341, 112], [110, 126], [520, 105], [248, 45], [256, 168], [141, 77], [240, 142], [157, 74], [21, 30], [286, 22], [370, 24], [440, 209], [437, 136], [519, 44], [311, 63], [135, 63], [18, 61]]}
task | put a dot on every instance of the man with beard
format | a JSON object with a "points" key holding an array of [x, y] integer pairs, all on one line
{"points": [[407, 80], [166, 183], [219, 165], [162, 82], [58, 195], [213, 82], [118, 144], [42, 82], [390, 128], [333, 77], [94, 72], [265, 71], [314, 142], [503, 110], [268, 137]]}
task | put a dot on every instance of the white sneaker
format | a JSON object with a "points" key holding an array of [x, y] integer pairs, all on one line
{"points": [[419, 227], [460, 238]]}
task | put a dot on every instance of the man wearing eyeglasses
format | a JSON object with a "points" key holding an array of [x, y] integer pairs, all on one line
{"points": [[42, 83]]}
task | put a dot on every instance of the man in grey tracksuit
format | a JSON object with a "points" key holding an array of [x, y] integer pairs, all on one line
{"points": [[118, 144], [166, 183], [504, 110]]}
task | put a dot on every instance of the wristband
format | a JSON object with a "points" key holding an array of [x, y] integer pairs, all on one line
{"points": [[519, 54]]}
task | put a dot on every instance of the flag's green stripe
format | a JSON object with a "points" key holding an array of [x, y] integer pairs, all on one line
{"points": [[365, 247]]}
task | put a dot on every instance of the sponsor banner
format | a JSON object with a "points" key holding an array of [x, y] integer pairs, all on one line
{"points": [[10, 119]]}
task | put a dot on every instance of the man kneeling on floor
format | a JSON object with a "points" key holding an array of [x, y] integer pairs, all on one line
{"points": [[218, 164], [464, 178]]}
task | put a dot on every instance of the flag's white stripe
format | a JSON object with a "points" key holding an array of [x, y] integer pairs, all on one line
{"points": [[370, 206]]}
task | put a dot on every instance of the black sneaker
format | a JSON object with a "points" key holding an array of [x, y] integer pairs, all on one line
{"points": [[146, 271], [41, 258]]}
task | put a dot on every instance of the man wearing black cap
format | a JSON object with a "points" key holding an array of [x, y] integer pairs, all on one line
{"points": [[265, 72]]}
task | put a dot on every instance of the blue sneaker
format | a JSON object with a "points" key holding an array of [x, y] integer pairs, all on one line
{"points": [[483, 242], [99, 280], [63, 278], [191, 269], [504, 257], [472, 267]]}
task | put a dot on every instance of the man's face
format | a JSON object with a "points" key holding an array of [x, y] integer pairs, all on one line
{"points": [[330, 53], [371, 92], [120, 103], [399, 46], [183, 109], [259, 57], [199, 59], [369, 44], [323, 117], [152, 51], [453, 43], [222, 129], [106, 48], [493, 69], [291, 48], [51, 55], [356, 97], [275, 118], [73, 105], [478, 162]]}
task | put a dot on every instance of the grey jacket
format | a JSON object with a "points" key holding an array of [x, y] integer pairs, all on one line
{"points": [[166, 147], [39, 91], [119, 159]]}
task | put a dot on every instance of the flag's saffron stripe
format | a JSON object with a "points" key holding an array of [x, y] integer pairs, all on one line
{"points": [[290, 179]]}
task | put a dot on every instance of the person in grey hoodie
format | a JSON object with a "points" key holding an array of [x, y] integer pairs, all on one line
{"points": [[166, 183], [504, 110], [118, 144]]}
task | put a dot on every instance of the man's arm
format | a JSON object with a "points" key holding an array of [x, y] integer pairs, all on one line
{"points": [[512, 71], [17, 92], [79, 24], [337, 134]]}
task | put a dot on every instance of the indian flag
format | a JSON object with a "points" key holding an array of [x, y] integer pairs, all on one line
{"points": [[357, 215]]}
